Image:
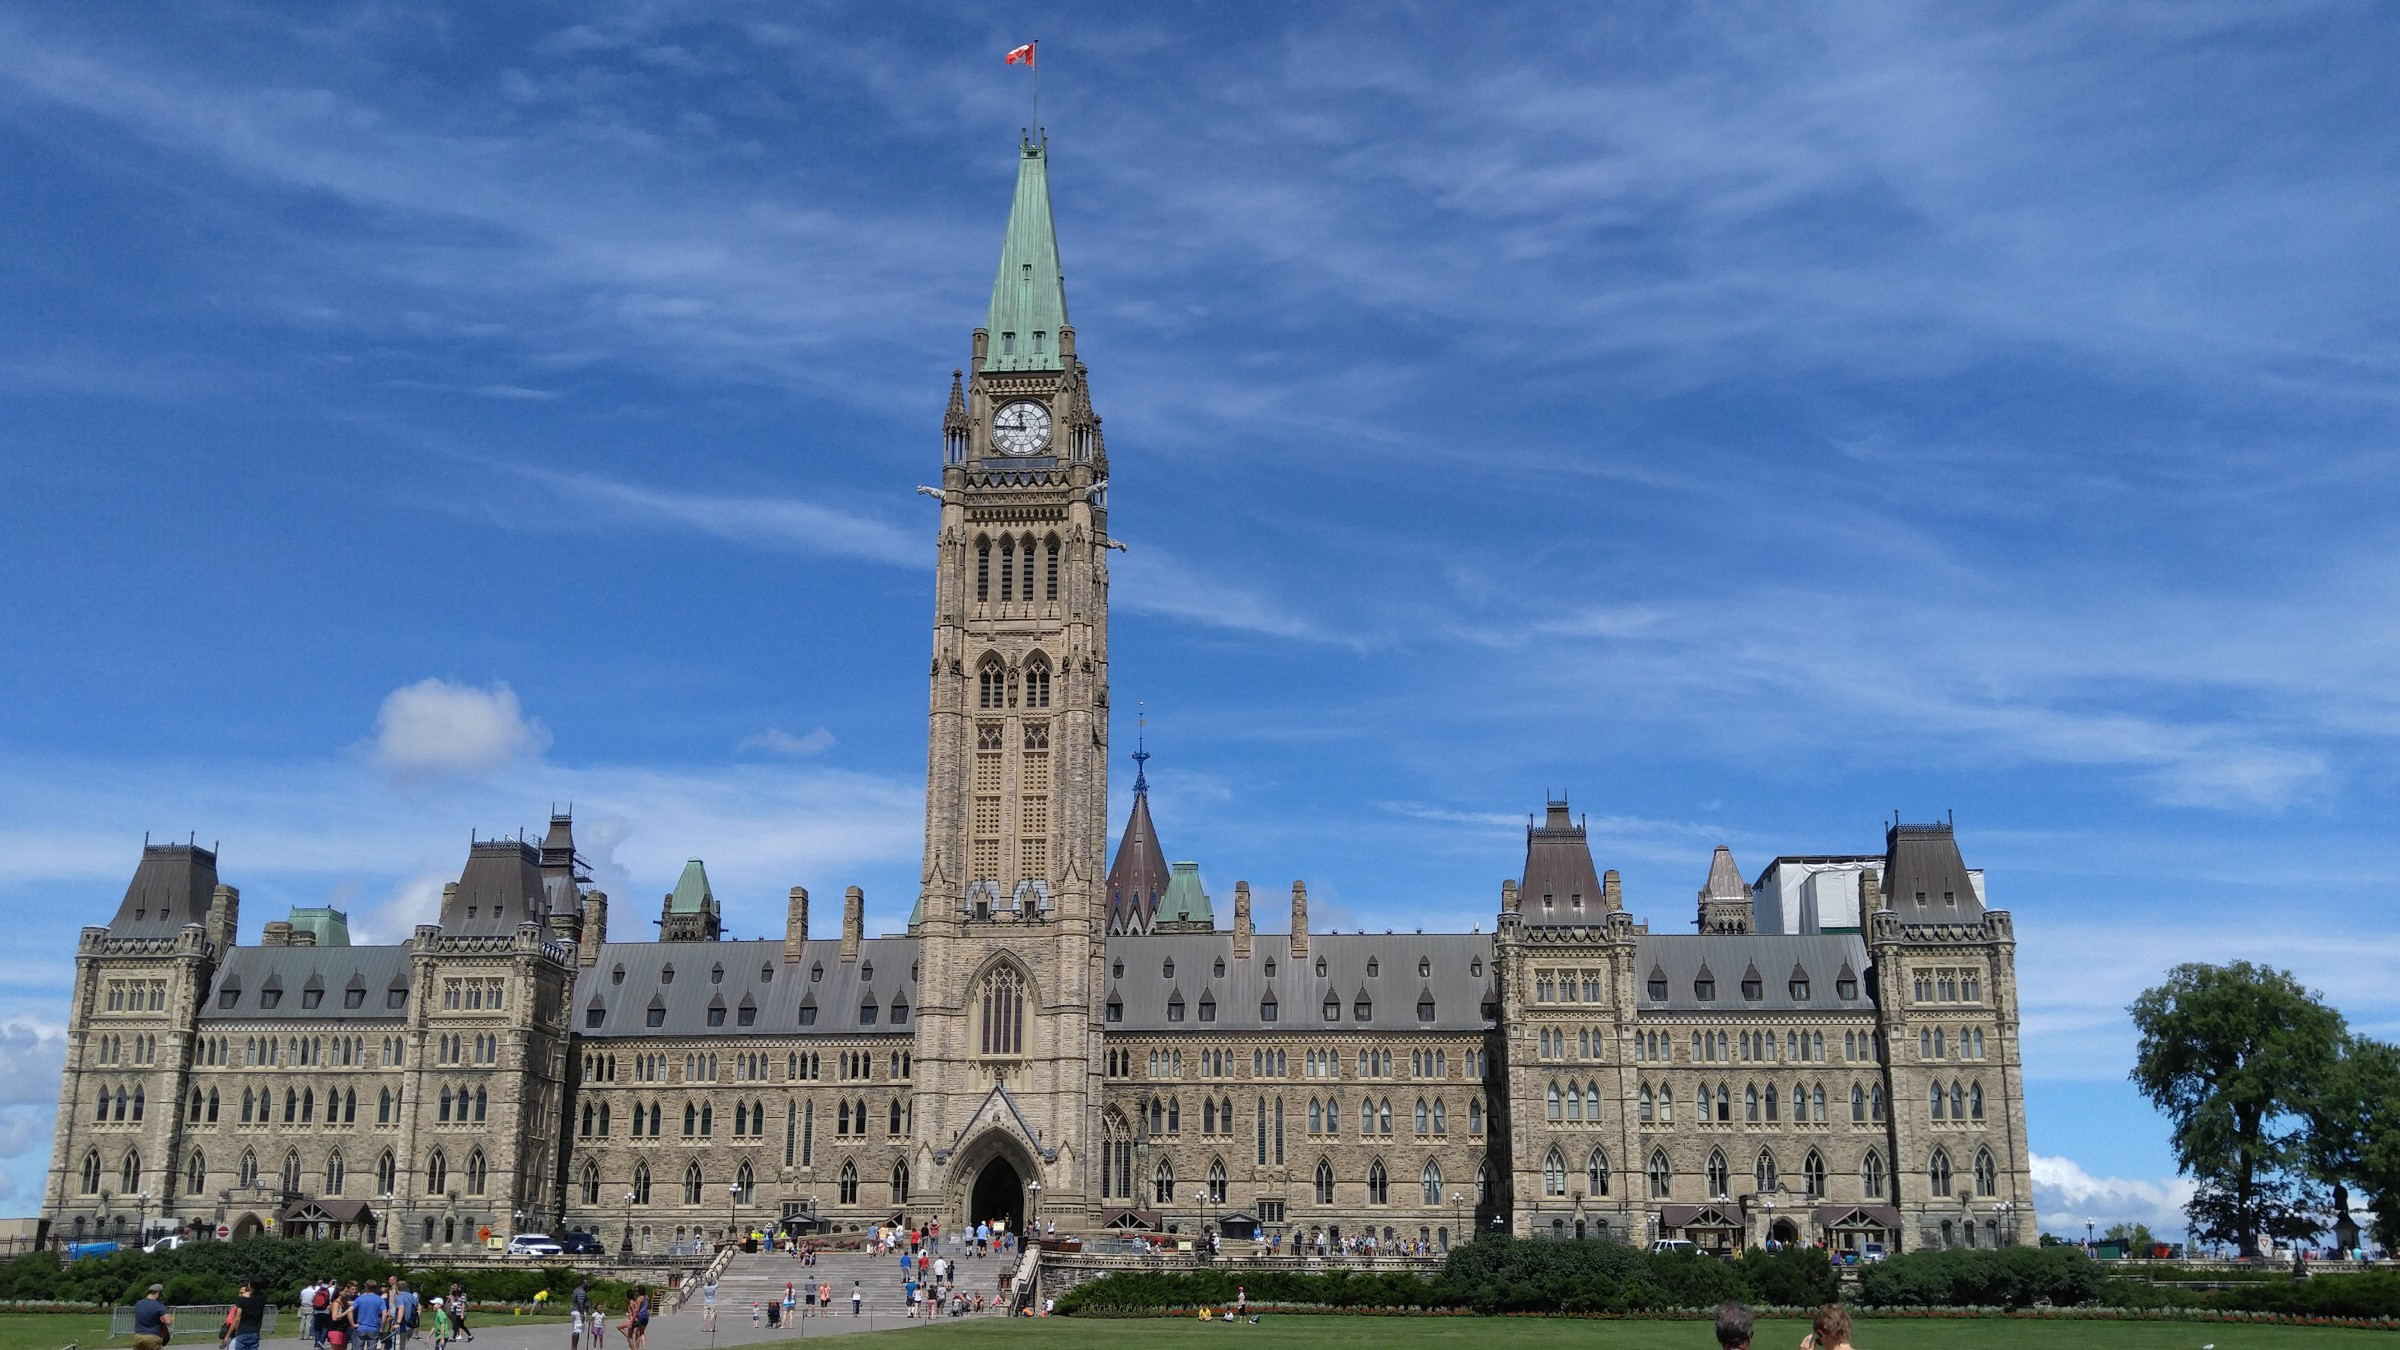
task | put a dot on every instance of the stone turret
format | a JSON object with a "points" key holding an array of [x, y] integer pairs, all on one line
{"points": [[1299, 918], [795, 926], [1241, 918], [854, 922]]}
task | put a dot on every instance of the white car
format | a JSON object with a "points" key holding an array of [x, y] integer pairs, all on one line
{"points": [[532, 1244], [167, 1244], [1672, 1245]]}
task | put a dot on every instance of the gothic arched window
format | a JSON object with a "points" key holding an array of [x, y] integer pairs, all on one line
{"points": [[1379, 1184], [1216, 1181], [991, 684], [1662, 1175], [1987, 1174], [1008, 567], [1001, 1005], [1812, 1173], [745, 1185], [91, 1172], [1764, 1171], [1324, 1181], [1037, 683], [691, 1183], [1163, 1182], [387, 1173], [129, 1174], [849, 1183], [591, 1183], [335, 1173], [1718, 1175], [1870, 1175], [900, 1183], [641, 1183], [195, 1173], [1937, 1173], [1554, 1174], [983, 568], [1050, 568], [1595, 1173], [1429, 1184], [477, 1172]]}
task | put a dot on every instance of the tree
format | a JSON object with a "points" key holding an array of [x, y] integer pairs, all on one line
{"points": [[2135, 1236], [2234, 1055], [2354, 1136]]}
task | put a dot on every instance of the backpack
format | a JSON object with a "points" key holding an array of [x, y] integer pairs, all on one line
{"points": [[321, 1300]]}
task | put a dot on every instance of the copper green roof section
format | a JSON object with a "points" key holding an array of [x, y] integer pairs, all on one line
{"points": [[330, 926], [1185, 902], [692, 895], [1029, 296]]}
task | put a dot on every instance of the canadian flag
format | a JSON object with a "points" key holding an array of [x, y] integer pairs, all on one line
{"points": [[1024, 54]]}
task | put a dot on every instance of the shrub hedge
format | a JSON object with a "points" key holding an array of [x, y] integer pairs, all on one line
{"points": [[211, 1272], [1490, 1275], [1499, 1275]]}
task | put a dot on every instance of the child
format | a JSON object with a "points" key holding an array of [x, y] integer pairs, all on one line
{"points": [[441, 1325]]}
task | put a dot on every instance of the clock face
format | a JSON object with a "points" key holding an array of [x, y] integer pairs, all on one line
{"points": [[1021, 429]]}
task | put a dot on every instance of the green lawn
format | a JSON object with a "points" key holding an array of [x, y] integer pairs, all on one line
{"points": [[1474, 1333], [50, 1331]]}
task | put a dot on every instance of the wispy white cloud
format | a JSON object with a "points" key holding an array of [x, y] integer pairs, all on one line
{"points": [[775, 740], [782, 524]]}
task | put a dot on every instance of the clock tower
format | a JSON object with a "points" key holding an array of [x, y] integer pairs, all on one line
{"points": [[1016, 790]]}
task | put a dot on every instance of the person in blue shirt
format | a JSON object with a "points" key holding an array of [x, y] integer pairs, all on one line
{"points": [[366, 1312], [404, 1312]]}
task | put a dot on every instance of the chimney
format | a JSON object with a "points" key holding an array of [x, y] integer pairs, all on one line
{"points": [[1241, 919], [854, 921], [1612, 892], [1508, 897], [1299, 918], [224, 919], [595, 928], [795, 926], [1870, 893], [277, 933]]}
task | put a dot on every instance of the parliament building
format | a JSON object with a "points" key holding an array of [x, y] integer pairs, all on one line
{"points": [[1828, 1054]]}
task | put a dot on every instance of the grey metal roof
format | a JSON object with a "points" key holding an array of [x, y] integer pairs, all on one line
{"points": [[1558, 864], [1921, 868], [836, 990], [500, 888], [1681, 957], [1145, 990], [171, 887], [293, 971]]}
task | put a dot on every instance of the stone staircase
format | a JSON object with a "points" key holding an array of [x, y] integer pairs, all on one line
{"points": [[761, 1276]]}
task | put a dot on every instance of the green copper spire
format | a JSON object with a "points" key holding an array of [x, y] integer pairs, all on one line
{"points": [[692, 894], [1029, 297]]}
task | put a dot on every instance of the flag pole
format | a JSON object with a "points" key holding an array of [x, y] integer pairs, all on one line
{"points": [[1036, 63]]}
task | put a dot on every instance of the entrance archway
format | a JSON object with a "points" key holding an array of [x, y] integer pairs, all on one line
{"points": [[1785, 1231], [998, 1196]]}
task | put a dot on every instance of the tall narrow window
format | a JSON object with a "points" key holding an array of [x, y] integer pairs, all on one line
{"points": [[1003, 1012], [1025, 562], [1050, 568], [983, 569], [1037, 683], [1008, 567]]}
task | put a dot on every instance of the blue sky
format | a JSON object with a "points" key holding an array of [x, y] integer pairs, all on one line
{"points": [[1750, 421]]}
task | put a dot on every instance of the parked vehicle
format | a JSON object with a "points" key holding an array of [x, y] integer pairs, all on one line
{"points": [[1672, 1245], [80, 1250], [166, 1244], [582, 1244], [1871, 1252], [532, 1244]]}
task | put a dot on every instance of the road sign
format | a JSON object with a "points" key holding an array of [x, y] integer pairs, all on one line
{"points": [[224, 1230]]}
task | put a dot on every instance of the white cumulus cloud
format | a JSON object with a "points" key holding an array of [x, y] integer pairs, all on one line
{"points": [[2065, 1195], [31, 1058], [435, 726]]}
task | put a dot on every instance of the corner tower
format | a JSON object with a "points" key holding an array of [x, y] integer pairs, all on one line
{"points": [[1010, 903]]}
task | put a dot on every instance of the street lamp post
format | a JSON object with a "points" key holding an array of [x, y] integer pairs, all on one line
{"points": [[1768, 1203], [1458, 1219], [627, 1245], [2091, 1247], [141, 1219], [1033, 1190], [733, 1199]]}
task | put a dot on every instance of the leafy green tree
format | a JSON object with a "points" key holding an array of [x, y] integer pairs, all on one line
{"points": [[2135, 1236], [2354, 1136], [2234, 1055]]}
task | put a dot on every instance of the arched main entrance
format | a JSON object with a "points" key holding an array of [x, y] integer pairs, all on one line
{"points": [[998, 1195]]}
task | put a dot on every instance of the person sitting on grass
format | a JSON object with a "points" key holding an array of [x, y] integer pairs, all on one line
{"points": [[1828, 1329], [1733, 1326]]}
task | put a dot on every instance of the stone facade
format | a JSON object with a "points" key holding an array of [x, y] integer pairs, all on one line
{"points": [[1054, 1036]]}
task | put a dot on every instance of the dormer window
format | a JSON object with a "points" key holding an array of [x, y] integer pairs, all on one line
{"points": [[900, 1012], [1425, 967], [1475, 968], [1548, 903], [1270, 967], [1320, 967], [1846, 987], [1220, 967], [1704, 989], [593, 1017], [310, 998], [866, 1013], [1658, 986], [1363, 1010], [1753, 988], [1267, 1009], [1116, 969], [716, 974], [866, 970], [808, 1011], [1038, 335], [1425, 1008], [1175, 1008], [816, 972], [1950, 898], [268, 998], [1116, 1009], [1208, 1007], [666, 975], [1372, 967], [354, 998], [1800, 989], [1008, 344], [1333, 1008], [1167, 970], [617, 975], [229, 996]]}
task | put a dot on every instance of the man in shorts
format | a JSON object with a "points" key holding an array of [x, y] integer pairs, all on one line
{"points": [[579, 1314]]}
